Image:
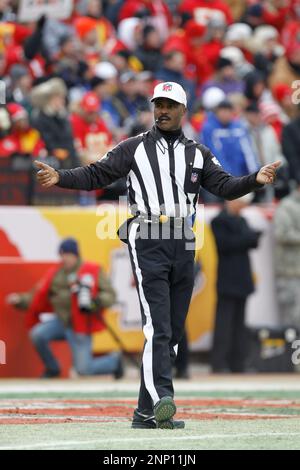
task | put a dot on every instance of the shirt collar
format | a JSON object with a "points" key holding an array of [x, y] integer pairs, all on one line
{"points": [[157, 135]]}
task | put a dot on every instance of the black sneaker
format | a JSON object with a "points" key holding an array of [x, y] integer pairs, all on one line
{"points": [[171, 424], [164, 409], [143, 420], [146, 420]]}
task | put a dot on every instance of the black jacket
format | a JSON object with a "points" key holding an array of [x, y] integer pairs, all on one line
{"points": [[234, 238], [125, 158], [57, 133]]}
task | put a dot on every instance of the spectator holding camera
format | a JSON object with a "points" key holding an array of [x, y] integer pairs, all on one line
{"points": [[67, 305]]}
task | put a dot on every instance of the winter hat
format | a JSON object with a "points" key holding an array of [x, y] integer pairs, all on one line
{"points": [[238, 32], [194, 29], [90, 102], [16, 111], [84, 25], [265, 32], [281, 91], [126, 33], [105, 70], [212, 97], [69, 245], [234, 54]]}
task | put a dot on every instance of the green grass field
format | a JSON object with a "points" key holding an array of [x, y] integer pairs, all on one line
{"points": [[240, 412]]}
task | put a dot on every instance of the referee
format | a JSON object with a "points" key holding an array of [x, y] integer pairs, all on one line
{"points": [[164, 172]]}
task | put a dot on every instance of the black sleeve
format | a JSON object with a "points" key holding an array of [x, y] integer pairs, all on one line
{"points": [[222, 184], [114, 165]]}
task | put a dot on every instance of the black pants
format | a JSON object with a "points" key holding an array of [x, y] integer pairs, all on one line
{"points": [[182, 359], [164, 274], [230, 335]]}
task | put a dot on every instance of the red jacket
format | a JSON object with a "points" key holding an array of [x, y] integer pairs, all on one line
{"points": [[22, 142], [90, 135], [81, 322]]}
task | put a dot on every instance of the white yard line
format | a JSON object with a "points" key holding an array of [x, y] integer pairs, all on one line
{"points": [[101, 419], [205, 384], [55, 444], [33, 405], [64, 418]]}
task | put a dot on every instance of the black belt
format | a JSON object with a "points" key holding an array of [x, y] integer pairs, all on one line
{"points": [[177, 222]]}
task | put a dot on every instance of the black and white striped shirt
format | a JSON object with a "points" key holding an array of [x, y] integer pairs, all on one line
{"points": [[163, 177]]}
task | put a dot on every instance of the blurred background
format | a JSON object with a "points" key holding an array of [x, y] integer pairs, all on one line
{"points": [[75, 79]]}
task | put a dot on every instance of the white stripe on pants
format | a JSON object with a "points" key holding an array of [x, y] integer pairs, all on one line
{"points": [[148, 328]]}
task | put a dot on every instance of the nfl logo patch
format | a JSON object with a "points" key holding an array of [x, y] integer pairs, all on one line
{"points": [[167, 87], [194, 177]]}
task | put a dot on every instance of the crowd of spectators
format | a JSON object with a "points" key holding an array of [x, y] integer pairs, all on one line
{"points": [[74, 88]]}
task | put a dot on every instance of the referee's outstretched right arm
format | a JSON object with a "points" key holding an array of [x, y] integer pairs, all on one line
{"points": [[114, 165]]}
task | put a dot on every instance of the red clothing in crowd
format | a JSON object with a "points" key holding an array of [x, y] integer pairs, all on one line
{"points": [[81, 322], [12, 37], [105, 31], [156, 7], [21, 139], [276, 18], [27, 142], [201, 57], [90, 135], [290, 33], [84, 24], [203, 10]]}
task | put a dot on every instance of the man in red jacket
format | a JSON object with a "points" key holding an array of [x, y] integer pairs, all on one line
{"points": [[66, 304], [90, 131], [22, 138]]}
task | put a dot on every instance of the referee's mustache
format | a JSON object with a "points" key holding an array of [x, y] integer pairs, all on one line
{"points": [[161, 118]]}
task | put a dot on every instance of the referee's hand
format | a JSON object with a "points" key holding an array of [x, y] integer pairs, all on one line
{"points": [[267, 173], [46, 175]]}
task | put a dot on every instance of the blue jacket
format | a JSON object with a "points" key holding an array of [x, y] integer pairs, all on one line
{"points": [[231, 145]]}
